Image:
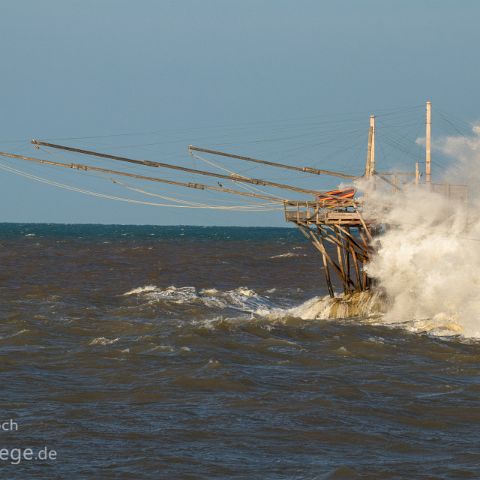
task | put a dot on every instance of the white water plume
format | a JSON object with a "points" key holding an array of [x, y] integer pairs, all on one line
{"points": [[428, 259]]}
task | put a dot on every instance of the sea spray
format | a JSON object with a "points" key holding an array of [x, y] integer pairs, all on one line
{"points": [[354, 305], [427, 259]]}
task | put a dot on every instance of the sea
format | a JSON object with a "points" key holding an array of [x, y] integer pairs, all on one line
{"points": [[153, 352]]}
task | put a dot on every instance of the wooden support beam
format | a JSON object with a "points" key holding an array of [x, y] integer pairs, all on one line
{"points": [[315, 171], [367, 231], [346, 253], [344, 273], [372, 150], [327, 274], [306, 231], [358, 283], [361, 251], [323, 250], [352, 251], [369, 152], [149, 163], [428, 142], [86, 168]]}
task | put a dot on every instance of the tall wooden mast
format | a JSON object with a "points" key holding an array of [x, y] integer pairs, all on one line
{"points": [[428, 143], [370, 164], [372, 155], [369, 152]]}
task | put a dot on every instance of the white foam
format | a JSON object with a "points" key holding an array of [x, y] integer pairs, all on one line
{"points": [[364, 307], [103, 341], [289, 255], [426, 261], [241, 298], [136, 291]]}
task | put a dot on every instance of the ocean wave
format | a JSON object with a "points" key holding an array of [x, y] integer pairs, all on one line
{"points": [[288, 255], [136, 291], [242, 298], [103, 341], [370, 307], [362, 307], [15, 334]]}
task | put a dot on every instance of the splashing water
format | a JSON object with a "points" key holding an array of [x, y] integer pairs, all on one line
{"points": [[427, 261], [363, 305], [241, 298]]}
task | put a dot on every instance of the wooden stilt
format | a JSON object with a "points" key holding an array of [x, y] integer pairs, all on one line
{"points": [[357, 270], [346, 253], [361, 252], [327, 277], [321, 247], [341, 263], [309, 234]]}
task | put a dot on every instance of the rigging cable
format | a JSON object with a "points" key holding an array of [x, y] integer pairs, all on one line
{"points": [[259, 208], [245, 187]]}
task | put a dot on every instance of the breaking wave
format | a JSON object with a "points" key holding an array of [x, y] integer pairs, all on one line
{"points": [[369, 307], [242, 298], [288, 255]]}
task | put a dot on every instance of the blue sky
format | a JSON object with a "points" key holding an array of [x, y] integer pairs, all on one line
{"points": [[146, 78]]}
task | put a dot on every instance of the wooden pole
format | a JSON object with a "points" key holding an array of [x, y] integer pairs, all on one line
{"points": [[315, 171], [417, 174], [357, 269], [198, 186], [149, 163], [428, 140], [321, 248], [340, 249], [372, 154], [328, 279], [369, 152], [362, 221], [361, 252]]}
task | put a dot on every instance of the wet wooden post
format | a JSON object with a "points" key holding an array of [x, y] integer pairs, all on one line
{"points": [[346, 250], [369, 152], [357, 269], [428, 140], [372, 146], [327, 277]]}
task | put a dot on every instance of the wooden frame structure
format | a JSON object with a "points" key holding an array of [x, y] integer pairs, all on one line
{"points": [[342, 237], [333, 222]]}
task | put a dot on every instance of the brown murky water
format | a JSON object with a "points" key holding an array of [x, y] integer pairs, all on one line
{"points": [[170, 352]]}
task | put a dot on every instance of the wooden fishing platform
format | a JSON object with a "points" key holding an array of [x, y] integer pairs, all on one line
{"points": [[309, 213], [342, 237], [333, 221]]}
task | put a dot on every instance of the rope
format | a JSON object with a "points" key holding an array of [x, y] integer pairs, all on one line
{"points": [[245, 187], [259, 208], [185, 202]]}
